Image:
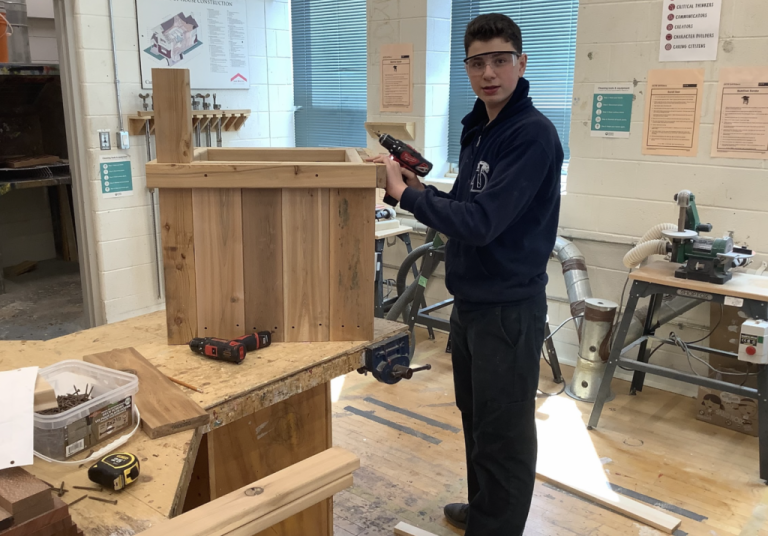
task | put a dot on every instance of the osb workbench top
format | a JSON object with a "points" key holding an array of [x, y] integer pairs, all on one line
{"points": [[231, 391]]}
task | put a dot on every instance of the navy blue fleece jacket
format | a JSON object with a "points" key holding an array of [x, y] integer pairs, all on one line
{"points": [[501, 215]]}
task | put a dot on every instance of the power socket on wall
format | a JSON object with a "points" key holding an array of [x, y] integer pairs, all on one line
{"points": [[104, 141]]}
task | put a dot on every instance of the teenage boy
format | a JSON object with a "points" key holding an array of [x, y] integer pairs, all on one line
{"points": [[501, 219]]}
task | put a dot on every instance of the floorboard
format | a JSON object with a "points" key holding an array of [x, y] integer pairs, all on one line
{"points": [[650, 444]]}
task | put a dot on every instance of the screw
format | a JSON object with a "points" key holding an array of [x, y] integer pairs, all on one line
{"points": [[102, 500], [250, 492]]}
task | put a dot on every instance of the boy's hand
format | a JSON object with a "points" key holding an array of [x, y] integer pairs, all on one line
{"points": [[395, 176]]}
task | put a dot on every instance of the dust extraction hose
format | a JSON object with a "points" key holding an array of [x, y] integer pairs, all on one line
{"points": [[651, 243]]}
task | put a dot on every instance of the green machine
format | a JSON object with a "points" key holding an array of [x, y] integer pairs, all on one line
{"points": [[702, 258]]}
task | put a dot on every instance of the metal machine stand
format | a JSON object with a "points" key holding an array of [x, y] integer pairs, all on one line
{"points": [[381, 306], [421, 315], [648, 283]]}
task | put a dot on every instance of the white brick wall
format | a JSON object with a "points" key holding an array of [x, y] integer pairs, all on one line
{"points": [[425, 24], [123, 231]]}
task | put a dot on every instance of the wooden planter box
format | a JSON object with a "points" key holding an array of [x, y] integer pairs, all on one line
{"points": [[261, 239]]}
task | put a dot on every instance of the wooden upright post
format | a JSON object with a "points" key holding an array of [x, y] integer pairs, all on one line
{"points": [[173, 140]]}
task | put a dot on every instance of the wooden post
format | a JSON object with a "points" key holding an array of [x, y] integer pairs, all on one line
{"points": [[173, 140]]}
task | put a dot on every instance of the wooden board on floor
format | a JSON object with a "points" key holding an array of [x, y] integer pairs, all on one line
{"points": [[218, 221], [177, 230], [404, 529], [165, 409], [280, 435], [352, 268], [263, 261], [618, 503], [306, 265]]}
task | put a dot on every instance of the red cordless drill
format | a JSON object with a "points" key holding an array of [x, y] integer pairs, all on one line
{"points": [[219, 349], [407, 157], [232, 351], [254, 341]]}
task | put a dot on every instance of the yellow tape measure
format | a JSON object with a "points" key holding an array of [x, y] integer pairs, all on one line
{"points": [[115, 471]]}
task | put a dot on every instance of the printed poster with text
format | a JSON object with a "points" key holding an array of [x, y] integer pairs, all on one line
{"points": [[690, 30], [397, 78], [612, 110], [208, 37], [741, 113], [673, 112]]}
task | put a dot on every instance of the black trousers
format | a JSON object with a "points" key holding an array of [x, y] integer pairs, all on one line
{"points": [[496, 355]]}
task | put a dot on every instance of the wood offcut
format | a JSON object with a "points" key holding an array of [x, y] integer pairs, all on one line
{"points": [[165, 409]]}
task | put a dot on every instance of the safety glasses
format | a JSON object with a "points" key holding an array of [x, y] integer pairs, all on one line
{"points": [[497, 60]]}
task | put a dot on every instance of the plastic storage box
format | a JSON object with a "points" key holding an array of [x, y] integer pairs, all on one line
{"points": [[109, 411]]}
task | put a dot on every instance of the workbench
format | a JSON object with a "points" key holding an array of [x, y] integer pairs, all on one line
{"points": [[747, 292], [268, 413]]}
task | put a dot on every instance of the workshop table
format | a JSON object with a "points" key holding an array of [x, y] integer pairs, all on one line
{"points": [[745, 291], [268, 413]]}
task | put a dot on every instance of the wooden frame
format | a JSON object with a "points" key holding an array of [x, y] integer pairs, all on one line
{"points": [[262, 504], [261, 238]]}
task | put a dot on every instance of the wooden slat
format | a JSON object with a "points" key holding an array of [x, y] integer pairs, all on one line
{"points": [[746, 286], [266, 175], [618, 503], [67, 225], [177, 231], [165, 409], [279, 436], [306, 264], [218, 217], [263, 261], [273, 154], [352, 265], [227, 514], [404, 529], [173, 115], [353, 156]]}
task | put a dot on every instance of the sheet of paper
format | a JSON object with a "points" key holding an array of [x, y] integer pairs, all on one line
{"points": [[612, 110], [673, 112], [690, 30], [397, 78], [741, 113], [17, 398]]}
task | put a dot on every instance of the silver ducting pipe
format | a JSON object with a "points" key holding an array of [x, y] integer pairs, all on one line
{"points": [[594, 350], [15, 11], [575, 275]]}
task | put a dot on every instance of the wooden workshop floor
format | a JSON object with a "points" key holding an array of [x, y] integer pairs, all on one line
{"points": [[650, 444]]}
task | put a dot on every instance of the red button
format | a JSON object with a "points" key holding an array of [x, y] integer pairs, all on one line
{"points": [[751, 350]]}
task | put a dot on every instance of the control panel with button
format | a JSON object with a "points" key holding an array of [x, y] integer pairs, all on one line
{"points": [[752, 347]]}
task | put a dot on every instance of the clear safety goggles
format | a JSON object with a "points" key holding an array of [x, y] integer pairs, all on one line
{"points": [[497, 60]]}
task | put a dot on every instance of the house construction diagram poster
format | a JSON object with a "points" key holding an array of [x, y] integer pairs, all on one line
{"points": [[208, 37]]}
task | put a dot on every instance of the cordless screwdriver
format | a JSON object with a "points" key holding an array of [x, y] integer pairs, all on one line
{"points": [[407, 157], [219, 349], [255, 341]]}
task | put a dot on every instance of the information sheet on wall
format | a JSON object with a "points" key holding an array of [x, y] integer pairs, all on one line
{"points": [[741, 114], [673, 112], [396, 78], [208, 38], [116, 177], [612, 111], [690, 30]]}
